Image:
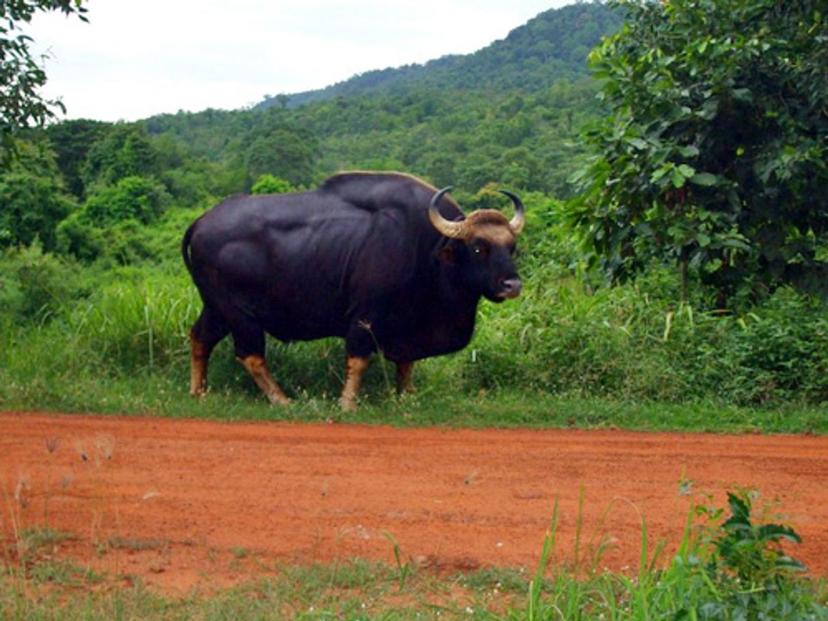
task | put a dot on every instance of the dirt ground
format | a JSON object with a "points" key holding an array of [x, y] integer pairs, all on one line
{"points": [[184, 503]]}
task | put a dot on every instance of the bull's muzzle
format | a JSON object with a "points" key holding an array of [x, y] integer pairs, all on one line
{"points": [[510, 288]]}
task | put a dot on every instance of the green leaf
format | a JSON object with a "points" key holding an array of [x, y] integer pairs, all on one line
{"points": [[736, 244], [660, 172], [704, 179], [687, 171]]}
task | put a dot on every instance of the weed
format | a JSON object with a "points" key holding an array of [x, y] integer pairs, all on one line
{"points": [[239, 552], [136, 544], [64, 573], [404, 568]]}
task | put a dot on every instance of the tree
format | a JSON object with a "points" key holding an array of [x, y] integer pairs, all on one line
{"points": [[32, 199], [270, 184], [71, 141], [109, 215], [123, 150], [21, 77], [282, 151], [715, 154]]}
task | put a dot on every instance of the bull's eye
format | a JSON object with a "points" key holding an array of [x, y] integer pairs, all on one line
{"points": [[480, 248]]}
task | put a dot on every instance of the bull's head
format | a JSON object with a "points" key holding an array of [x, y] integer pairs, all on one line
{"points": [[485, 243]]}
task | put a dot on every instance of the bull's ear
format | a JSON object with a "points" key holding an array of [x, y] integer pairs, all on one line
{"points": [[447, 255]]}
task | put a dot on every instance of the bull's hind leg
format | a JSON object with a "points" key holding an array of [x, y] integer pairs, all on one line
{"points": [[206, 332], [360, 344], [249, 341], [405, 377], [355, 367]]}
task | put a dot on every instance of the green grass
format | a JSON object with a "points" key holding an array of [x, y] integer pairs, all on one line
{"points": [[237, 399]]}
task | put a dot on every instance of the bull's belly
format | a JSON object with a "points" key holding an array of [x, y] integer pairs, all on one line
{"points": [[294, 329], [416, 346]]}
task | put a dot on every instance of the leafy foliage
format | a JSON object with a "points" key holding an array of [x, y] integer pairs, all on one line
{"points": [[20, 76], [139, 185], [35, 285], [71, 141], [110, 215], [124, 150], [270, 184], [282, 150], [715, 155], [32, 199], [753, 552]]}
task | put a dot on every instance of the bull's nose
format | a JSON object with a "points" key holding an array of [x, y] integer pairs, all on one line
{"points": [[510, 288]]}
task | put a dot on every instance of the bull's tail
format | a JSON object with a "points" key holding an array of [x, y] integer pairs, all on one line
{"points": [[185, 247]]}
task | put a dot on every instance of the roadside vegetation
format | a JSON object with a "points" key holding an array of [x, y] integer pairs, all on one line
{"points": [[113, 338], [729, 564]]}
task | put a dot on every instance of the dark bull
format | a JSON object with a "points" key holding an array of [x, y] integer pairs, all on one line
{"points": [[383, 260]]}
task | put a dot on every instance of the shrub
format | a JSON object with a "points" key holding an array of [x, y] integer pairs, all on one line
{"points": [[131, 198], [109, 221], [35, 285], [271, 184]]}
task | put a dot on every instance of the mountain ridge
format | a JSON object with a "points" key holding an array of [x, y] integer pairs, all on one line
{"points": [[550, 46]]}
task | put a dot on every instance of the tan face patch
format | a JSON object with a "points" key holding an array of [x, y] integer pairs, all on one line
{"points": [[494, 234], [491, 226]]}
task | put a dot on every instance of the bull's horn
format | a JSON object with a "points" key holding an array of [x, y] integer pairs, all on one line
{"points": [[455, 230], [519, 219]]}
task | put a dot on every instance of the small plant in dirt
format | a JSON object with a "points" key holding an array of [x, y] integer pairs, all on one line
{"points": [[64, 573], [753, 552], [727, 568], [38, 541], [754, 575]]}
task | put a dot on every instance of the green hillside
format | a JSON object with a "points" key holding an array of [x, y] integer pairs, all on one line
{"points": [[430, 120], [551, 46]]}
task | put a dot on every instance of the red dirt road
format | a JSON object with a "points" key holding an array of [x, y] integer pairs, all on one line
{"points": [[184, 503]]}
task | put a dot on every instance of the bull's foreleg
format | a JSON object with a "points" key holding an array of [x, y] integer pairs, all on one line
{"points": [[355, 366], [405, 377], [257, 367]]}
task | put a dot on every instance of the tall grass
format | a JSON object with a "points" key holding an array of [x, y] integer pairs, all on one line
{"points": [[68, 328]]}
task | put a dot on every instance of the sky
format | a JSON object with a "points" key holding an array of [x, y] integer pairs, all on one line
{"points": [[137, 58]]}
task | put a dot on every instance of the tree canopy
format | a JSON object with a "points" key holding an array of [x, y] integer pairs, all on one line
{"points": [[21, 77], [715, 154]]}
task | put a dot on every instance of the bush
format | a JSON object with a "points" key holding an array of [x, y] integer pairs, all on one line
{"points": [[131, 198], [271, 184], [32, 198], [110, 221], [35, 285]]}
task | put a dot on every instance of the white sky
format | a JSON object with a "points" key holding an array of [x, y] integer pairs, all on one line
{"points": [[136, 58]]}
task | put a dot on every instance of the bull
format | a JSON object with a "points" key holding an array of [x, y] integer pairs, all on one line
{"points": [[383, 260]]}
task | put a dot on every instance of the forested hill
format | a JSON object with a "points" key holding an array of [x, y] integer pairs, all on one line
{"points": [[549, 47]]}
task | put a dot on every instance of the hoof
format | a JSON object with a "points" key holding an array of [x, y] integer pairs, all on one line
{"points": [[348, 405], [279, 400]]}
